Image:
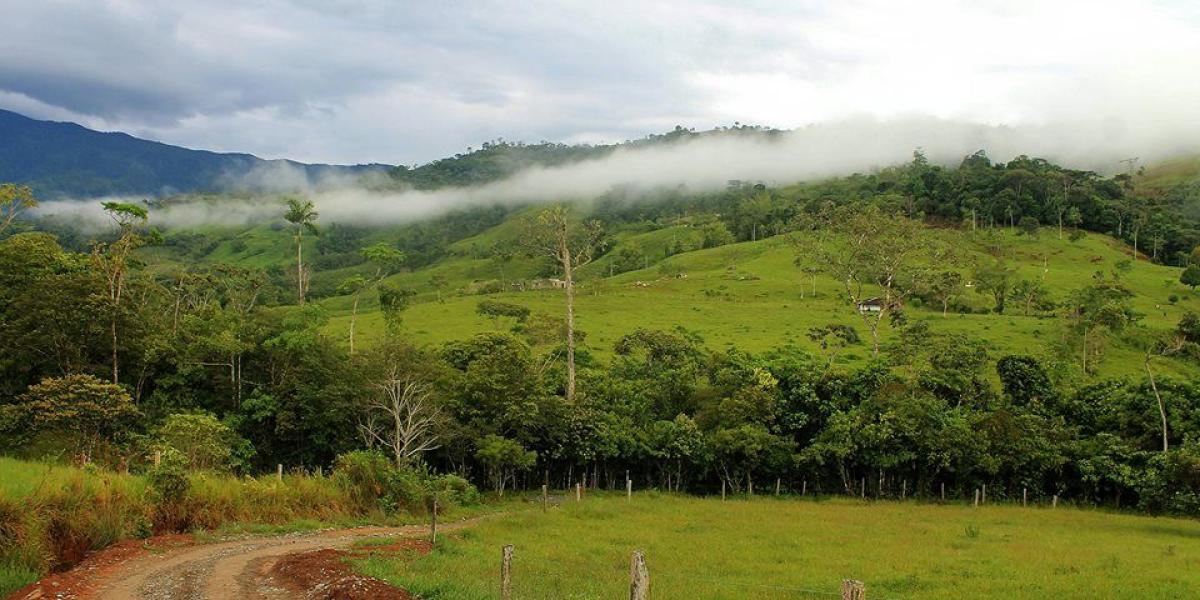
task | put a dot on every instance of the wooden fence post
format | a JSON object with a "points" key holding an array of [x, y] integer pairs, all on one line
{"points": [[943, 491], [433, 523], [804, 488], [628, 489], [903, 489], [853, 590], [545, 498], [1054, 503], [279, 471], [1024, 496], [976, 497], [863, 490], [776, 486], [751, 485], [639, 577], [983, 499], [722, 489], [506, 572], [578, 492]]}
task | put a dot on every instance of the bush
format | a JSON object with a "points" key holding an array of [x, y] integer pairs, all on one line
{"points": [[168, 482], [203, 441], [374, 483]]}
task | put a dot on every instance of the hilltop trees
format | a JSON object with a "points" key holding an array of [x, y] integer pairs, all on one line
{"points": [[552, 233], [303, 216]]}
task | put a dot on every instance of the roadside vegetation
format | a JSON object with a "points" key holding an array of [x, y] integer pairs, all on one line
{"points": [[51, 516]]}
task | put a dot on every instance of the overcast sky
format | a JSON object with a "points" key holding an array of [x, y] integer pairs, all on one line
{"points": [[406, 82]]}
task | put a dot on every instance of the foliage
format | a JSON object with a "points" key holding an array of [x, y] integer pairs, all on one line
{"points": [[203, 441], [85, 411]]}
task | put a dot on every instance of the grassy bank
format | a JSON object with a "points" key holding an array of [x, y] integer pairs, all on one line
{"points": [[768, 548], [51, 516]]}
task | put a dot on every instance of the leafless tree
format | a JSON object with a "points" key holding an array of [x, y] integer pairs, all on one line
{"points": [[410, 417]]}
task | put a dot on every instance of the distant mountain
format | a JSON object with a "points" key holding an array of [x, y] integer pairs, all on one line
{"points": [[68, 160]]}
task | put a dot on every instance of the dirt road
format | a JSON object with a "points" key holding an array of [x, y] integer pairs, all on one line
{"points": [[228, 570]]}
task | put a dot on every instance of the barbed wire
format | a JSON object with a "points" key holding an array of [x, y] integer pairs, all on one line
{"points": [[752, 585]]}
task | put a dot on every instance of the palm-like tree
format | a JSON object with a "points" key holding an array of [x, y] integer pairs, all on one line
{"points": [[302, 215]]}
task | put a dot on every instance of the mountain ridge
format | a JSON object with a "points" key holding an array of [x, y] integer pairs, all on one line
{"points": [[67, 160]]}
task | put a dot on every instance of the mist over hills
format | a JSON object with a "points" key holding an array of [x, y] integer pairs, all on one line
{"points": [[66, 160]]}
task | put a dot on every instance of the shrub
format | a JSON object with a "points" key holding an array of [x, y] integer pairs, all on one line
{"points": [[203, 441], [169, 485], [374, 483]]}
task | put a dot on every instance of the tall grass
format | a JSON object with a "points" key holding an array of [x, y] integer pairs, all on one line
{"points": [[51, 516]]}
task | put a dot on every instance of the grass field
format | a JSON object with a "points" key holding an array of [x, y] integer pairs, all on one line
{"points": [[779, 548], [749, 295]]}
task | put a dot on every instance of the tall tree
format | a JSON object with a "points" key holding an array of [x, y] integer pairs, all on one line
{"points": [[303, 216], [571, 244], [387, 260], [113, 261]]}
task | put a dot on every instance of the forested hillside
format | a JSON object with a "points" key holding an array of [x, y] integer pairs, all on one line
{"points": [[1019, 325]]}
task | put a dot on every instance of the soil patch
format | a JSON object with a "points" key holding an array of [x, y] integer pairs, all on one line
{"points": [[324, 575], [81, 580]]}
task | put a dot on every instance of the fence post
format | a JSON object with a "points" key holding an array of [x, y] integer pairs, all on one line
{"points": [[804, 488], [943, 491], [903, 489], [863, 490], [1054, 503], [279, 471], [639, 577], [545, 498], [976, 497], [722, 489], [776, 486], [433, 523], [983, 499], [578, 492], [506, 572], [853, 590], [1024, 496], [628, 489]]}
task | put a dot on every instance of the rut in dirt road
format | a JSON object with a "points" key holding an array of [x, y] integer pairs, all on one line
{"points": [[230, 570]]}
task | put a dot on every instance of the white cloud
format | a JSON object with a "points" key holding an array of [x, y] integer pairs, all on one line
{"points": [[374, 80]]}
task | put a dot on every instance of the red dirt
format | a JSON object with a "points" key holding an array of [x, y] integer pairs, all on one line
{"points": [[82, 578], [324, 574]]}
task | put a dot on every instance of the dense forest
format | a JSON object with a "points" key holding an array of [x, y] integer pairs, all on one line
{"points": [[98, 353]]}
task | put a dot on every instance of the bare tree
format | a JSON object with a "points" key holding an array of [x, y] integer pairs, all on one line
{"points": [[552, 233], [410, 418]]}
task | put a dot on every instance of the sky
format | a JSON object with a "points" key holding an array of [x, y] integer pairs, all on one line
{"points": [[406, 82]]}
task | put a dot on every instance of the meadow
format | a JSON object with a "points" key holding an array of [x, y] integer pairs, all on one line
{"points": [[752, 296], [766, 547]]}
